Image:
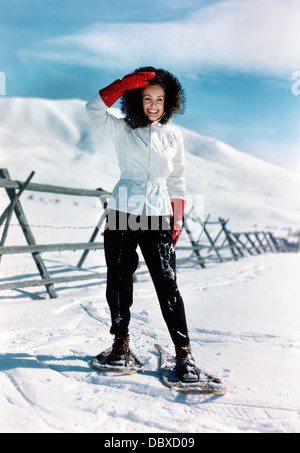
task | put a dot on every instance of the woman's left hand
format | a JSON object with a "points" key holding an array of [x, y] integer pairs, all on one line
{"points": [[178, 207]]}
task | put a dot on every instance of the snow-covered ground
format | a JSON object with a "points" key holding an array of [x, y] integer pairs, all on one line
{"points": [[244, 325], [243, 316]]}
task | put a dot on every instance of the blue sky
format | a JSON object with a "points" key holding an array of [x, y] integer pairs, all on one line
{"points": [[235, 59]]}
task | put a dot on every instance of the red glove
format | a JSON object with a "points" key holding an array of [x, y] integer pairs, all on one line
{"points": [[115, 90], [176, 221]]}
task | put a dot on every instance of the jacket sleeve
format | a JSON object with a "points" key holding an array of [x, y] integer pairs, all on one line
{"points": [[176, 181], [99, 115]]}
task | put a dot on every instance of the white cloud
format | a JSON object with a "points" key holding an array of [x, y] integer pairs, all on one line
{"points": [[260, 36]]}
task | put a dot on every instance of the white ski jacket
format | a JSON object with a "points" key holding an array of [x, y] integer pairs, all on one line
{"points": [[151, 160]]}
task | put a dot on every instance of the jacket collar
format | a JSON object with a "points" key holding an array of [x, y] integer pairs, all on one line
{"points": [[157, 122]]}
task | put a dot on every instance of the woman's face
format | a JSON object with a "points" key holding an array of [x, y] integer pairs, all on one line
{"points": [[154, 102]]}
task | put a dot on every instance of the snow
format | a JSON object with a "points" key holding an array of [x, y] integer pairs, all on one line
{"points": [[243, 316], [244, 325]]}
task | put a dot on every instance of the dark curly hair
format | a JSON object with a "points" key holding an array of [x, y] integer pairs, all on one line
{"points": [[131, 102]]}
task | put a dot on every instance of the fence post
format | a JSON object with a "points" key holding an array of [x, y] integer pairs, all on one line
{"points": [[269, 245], [193, 242], [230, 241], [10, 210], [274, 242], [212, 243], [28, 234], [247, 235], [95, 233], [256, 234], [239, 249]]}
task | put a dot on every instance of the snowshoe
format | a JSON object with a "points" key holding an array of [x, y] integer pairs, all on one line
{"points": [[119, 358], [206, 385]]}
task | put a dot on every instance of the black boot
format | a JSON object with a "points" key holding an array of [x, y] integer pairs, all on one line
{"points": [[186, 369], [120, 353]]}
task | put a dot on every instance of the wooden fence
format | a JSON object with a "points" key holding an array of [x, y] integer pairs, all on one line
{"points": [[14, 190], [215, 242], [209, 240]]}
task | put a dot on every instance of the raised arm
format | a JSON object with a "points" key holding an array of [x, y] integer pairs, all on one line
{"points": [[115, 90]]}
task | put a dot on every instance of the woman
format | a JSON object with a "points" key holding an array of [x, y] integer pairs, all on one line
{"points": [[147, 204]]}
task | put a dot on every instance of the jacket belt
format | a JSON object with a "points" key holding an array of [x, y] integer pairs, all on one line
{"points": [[143, 177]]}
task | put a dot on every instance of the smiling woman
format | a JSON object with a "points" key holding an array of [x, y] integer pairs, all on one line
{"points": [[167, 88], [147, 204], [154, 102]]}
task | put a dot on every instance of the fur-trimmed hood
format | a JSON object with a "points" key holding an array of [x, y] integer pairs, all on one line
{"points": [[132, 106]]}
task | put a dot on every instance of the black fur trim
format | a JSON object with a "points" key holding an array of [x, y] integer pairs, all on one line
{"points": [[131, 102]]}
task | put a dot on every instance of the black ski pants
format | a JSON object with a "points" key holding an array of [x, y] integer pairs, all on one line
{"points": [[154, 238]]}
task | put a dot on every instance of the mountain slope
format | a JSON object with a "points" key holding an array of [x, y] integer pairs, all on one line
{"points": [[57, 140]]}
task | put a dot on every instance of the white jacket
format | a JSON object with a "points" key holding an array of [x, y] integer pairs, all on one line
{"points": [[151, 160]]}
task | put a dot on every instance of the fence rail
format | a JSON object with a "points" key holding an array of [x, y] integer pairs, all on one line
{"points": [[46, 188], [210, 241], [21, 249]]}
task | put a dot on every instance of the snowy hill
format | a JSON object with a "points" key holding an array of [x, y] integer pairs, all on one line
{"points": [[57, 140]]}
